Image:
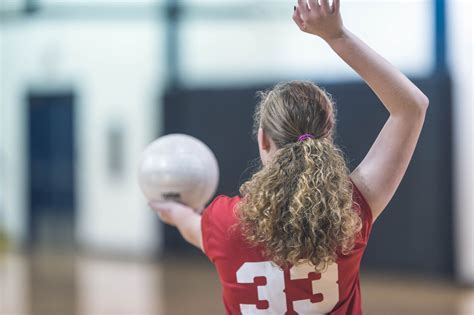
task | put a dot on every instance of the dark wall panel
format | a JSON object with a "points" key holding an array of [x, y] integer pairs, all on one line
{"points": [[415, 231], [51, 167]]}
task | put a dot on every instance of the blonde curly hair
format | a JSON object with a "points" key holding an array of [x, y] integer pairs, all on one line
{"points": [[298, 207]]}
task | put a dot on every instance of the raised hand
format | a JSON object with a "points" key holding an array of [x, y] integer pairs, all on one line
{"points": [[380, 173], [321, 19]]}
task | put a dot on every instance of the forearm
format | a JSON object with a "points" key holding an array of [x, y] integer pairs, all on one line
{"points": [[190, 228], [398, 94], [184, 218]]}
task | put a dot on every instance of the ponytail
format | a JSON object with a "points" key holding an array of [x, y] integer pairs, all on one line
{"points": [[299, 206]]}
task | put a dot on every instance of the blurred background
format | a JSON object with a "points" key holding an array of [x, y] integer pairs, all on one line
{"points": [[85, 85]]}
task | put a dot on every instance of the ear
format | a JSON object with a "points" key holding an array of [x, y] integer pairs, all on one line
{"points": [[263, 140]]}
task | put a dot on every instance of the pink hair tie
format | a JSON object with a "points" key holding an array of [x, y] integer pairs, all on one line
{"points": [[305, 136]]}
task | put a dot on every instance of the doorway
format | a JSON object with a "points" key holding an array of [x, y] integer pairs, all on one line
{"points": [[51, 170]]}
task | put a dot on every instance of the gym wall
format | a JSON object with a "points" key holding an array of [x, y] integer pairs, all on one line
{"points": [[415, 231]]}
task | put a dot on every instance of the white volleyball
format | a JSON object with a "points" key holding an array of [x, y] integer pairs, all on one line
{"points": [[179, 167]]}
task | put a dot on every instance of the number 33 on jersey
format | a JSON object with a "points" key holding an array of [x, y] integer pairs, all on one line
{"points": [[251, 284], [272, 285]]}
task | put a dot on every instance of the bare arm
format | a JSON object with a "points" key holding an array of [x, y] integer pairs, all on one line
{"points": [[381, 171], [185, 219]]}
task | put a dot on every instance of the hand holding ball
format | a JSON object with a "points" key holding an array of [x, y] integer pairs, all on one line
{"points": [[181, 168]]}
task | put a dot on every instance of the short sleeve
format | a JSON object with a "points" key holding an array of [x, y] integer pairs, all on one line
{"points": [[206, 224], [363, 208], [215, 221]]}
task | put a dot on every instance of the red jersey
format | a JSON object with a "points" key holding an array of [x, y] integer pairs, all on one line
{"points": [[253, 285]]}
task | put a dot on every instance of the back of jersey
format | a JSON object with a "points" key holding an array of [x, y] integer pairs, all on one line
{"points": [[254, 285]]}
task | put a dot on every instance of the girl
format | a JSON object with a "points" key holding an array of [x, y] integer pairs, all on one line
{"points": [[292, 243]]}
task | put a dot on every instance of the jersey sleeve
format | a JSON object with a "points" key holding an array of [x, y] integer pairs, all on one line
{"points": [[206, 224], [363, 208], [213, 225]]}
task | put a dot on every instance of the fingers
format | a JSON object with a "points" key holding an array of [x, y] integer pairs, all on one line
{"points": [[297, 18], [303, 8], [166, 218], [325, 7], [172, 207], [160, 205], [314, 5], [336, 5], [164, 209]]}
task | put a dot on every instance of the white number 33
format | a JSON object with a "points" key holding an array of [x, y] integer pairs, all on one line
{"points": [[273, 291]]}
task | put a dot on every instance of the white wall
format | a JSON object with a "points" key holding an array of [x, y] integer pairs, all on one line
{"points": [[460, 35], [255, 50], [115, 69], [11, 5]]}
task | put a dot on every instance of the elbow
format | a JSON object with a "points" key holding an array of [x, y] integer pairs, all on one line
{"points": [[420, 105], [415, 108], [423, 102], [191, 238], [186, 233], [190, 230]]}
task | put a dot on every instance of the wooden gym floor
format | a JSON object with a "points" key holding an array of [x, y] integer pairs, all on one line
{"points": [[60, 284]]}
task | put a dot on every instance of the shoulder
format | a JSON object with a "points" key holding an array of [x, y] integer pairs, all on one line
{"points": [[217, 218], [221, 204], [221, 210], [223, 200]]}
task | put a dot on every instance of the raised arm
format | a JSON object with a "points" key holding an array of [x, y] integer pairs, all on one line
{"points": [[381, 171]]}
